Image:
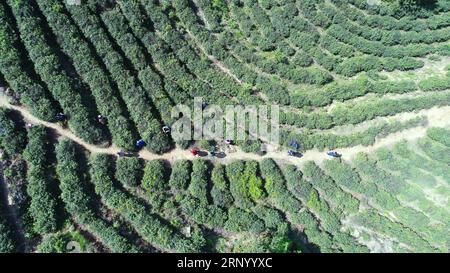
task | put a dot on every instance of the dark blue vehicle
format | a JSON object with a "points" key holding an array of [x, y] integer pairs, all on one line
{"points": [[294, 153], [140, 144], [61, 117], [333, 154]]}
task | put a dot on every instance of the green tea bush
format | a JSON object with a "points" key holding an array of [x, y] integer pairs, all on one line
{"points": [[198, 187], [12, 137], [32, 95], [141, 109], [180, 176], [50, 69], [242, 221], [441, 135], [150, 226], [78, 202], [209, 215], [43, 204], [220, 191], [129, 171], [8, 242], [435, 150], [276, 189], [434, 84], [341, 201], [154, 182], [238, 184]]}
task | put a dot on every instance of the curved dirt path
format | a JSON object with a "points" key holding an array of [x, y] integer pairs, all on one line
{"points": [[437, 117]]}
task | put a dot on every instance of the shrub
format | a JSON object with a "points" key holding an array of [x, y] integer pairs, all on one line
{"points": [[255, 183], [43, 205], [32, 94], [341, 201], [434, 84], [242, 221], [344, 175], [322, 141], [368, 168], [12, 137], [50, 69], [441, 135], [220, 191], [59, 242], [276, 188], [14, 178], [129, 171], [154, 176], [381, 224], [412, 158], [354, 113], [272, 218], [91, 71], [141, 109], [250, 146], [302, 60], [151, 227], [8, 242], [189, 57], [154, 182], [435, 150], [198, 187], [316, 236], [209, 215], [78, 202], [181, 175], [296, 184], [238, 184]]}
